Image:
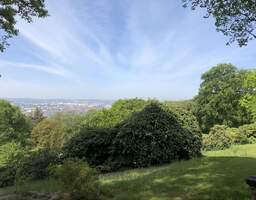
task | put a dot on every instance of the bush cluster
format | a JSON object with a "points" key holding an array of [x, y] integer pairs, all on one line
{"points": [[30, 165], [78, 180], [217, 139], [222, 137], [155, 135]]}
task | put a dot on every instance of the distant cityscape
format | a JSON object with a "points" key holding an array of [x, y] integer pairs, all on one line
{"points": [[51, 106]]}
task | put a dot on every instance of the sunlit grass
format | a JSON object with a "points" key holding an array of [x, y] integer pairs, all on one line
{"points": [[218, 175], [236, 151]]}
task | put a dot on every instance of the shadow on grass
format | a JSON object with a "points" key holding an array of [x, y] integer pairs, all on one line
{"points": [[217, 178]]}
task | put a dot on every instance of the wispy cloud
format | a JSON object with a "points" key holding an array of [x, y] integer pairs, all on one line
{"points": [[54, 70], [117, 49]]}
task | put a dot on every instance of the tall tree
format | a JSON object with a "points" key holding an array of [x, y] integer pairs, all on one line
{"points": [[11, 9], [234, 18], [218, 101]]}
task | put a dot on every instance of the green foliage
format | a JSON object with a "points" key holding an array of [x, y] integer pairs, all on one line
{"points": [[49, 134], [37, 116], [10, 150], [185, 117], [249, 130], [235, 19], [11, 10], [196, 179], [188, 105], [237, 137], [72, 123], [222, 137], [218, 101], [13, 124], [94, 145], [55, 132], [29, 166], [35, 165], [120, 110], [153, 136], [78, 180], [249, 99], [217, 139]]}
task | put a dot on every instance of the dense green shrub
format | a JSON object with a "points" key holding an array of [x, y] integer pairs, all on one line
{"points": [[153, 136], [249, 130], [217, 139], [10, 150], [237, 137], [35, 166], [186, 118], [78, 180], [94, 145], [222, 137], [30, 165]]}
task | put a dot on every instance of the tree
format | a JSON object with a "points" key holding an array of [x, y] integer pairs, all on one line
{"points": [[234, 18], [218, 101], [249, 99], [37, 116], [49, 134], [11, 9], [120, 110], [13, 124]]}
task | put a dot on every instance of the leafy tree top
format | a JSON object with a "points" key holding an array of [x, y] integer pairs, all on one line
{"points": [[218, 101], [234, 18], [13, 124], [11, 9]]}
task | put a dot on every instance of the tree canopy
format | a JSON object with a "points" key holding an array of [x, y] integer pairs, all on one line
{"points": [[13, 124], [234, 18], [218, 101], [11, 9]]}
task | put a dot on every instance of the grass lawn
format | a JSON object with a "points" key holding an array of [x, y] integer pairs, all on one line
{"points": [[218, 175]]}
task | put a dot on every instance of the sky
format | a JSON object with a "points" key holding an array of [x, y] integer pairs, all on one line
{"points": [[111, 49]]}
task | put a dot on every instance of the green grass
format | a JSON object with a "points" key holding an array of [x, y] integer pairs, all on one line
{"points": [[218, 175]]}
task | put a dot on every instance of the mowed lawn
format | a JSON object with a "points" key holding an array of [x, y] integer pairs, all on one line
{"points": [[218, 175]]}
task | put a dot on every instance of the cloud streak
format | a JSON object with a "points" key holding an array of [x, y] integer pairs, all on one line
{"points": [[114, 49]]}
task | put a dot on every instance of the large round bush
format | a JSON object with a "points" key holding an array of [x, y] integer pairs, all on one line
{"points": [[153, 136]]}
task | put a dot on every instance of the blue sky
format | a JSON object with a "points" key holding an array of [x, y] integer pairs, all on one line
{"points": [[110, 49]]}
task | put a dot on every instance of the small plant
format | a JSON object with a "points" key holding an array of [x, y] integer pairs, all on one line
{"points": [[77, 180]]}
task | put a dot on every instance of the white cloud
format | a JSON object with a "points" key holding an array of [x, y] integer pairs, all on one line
{"points": [[126, 48], [55, 70]]}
